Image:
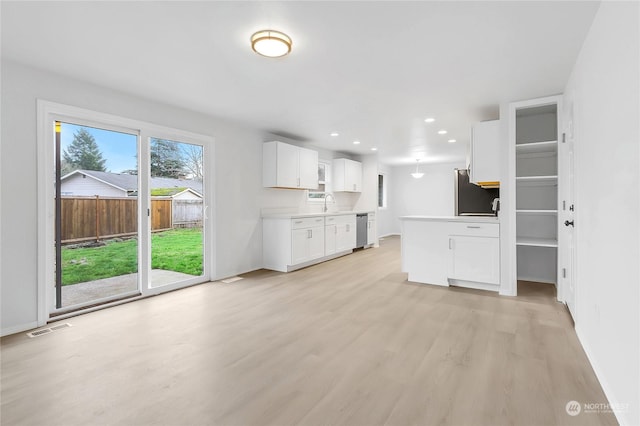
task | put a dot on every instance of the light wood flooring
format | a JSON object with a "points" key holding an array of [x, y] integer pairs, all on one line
{"points": [[347, 342]]}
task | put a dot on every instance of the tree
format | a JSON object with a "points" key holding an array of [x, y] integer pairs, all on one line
{"points": [[193, 161], [83, 153], [166, 159]]}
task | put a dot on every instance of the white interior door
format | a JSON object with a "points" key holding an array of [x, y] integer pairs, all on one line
{"points": [[567, 224]]}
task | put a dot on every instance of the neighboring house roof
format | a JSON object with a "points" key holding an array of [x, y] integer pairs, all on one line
{"points": [[129, 183]]}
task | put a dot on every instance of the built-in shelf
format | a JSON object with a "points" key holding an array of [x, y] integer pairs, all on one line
{"points": [[536, 242], [537, 147], [533, 211]]}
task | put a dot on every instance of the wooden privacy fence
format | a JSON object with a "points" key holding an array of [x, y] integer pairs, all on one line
{"points": [[187, 213], [95, 218]]}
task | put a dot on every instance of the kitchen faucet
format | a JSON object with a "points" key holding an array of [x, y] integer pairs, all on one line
{"points": [[327, 195]]}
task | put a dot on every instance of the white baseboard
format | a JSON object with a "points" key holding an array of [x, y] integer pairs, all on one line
{"points": [[19, 328], [389, 235], [606, 388]]}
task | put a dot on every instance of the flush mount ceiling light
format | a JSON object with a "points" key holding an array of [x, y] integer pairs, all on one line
{"points": [[334, 134], [451, 141], [442, 132], [417, 174], [429, 120], [356, 142], [271, 43], [374, 149]]}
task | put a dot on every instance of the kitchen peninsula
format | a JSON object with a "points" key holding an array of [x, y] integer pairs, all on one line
{"points": [[452, 250]]}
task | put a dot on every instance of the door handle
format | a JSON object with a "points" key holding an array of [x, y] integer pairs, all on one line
{"points": [[567, 223]]}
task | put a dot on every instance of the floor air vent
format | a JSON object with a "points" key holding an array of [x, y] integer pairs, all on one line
{"points": [[48, 330]]}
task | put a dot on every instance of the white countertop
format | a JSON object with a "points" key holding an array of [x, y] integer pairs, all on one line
{"points": [[300, 215], [474, 219]]}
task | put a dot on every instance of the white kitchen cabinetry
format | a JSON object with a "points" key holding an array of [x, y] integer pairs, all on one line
{"points": [[474, 259], [290, 243], [484, 168], [294, 242], [449, 251], [289, 166], [372, 237], [345, 232], [347, 175]]}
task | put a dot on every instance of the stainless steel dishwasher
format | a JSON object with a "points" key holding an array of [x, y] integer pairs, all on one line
{"points": [[362, 220]]}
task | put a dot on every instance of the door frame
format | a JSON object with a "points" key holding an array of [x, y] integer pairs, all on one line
{"points": [[47, 113]]}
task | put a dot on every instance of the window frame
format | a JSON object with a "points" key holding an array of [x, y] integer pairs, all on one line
{"points": [[326, 182]]}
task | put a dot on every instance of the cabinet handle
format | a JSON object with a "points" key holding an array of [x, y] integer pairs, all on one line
{"points": [[318, 220], [298, 180], [309, 233], [449, 243], [347, 228], [298, 221], [368, 225], [473, 227]]}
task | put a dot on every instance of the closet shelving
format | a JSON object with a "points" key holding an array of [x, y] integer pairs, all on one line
{"points": [[537, 193]]}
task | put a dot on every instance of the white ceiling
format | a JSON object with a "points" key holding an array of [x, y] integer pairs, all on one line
{"points": [[371, 71]]}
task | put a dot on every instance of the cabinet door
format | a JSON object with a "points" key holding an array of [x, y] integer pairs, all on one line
{"points": [[485, 152], [299, 245], [329, 239], [371, 231], [474, 259], [346, 239], [287, 166], [316, 242], [308, 168], [356, 176]]}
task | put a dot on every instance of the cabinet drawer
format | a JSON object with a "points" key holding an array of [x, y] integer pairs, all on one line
{"points": [[341, 219], [307, 222], [475, 229]]}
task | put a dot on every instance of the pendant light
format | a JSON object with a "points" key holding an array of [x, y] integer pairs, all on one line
{"points": [[417, 174]]}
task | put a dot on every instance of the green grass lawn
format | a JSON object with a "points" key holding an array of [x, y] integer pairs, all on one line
{"points": [[177, 250]]}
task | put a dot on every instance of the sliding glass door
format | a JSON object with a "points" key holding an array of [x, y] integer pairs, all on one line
{"points": [[96, 203], [127, 215], [177, 195]]}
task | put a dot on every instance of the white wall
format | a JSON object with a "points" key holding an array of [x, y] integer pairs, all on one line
{"points": [[385, 219], [604, 89], [238, 166], [431, 195]]}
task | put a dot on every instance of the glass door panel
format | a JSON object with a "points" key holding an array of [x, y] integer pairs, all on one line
{"points": [[96, 206], [177, 210]]}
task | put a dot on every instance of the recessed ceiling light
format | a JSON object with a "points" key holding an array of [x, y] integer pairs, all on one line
{"points": [[356, 142], [374, 149], [429, 120], [270, 43], [442, 132], [451, 140], [334, 134]]}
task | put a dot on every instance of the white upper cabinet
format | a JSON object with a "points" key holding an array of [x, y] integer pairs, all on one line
{"points": [[289, 166], [485, 153], [347, 175]]}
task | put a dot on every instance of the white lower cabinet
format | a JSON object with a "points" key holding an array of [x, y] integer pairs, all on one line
{"points": [[330, 239], [307, 244], [345, 232], [474, 259], [452, 252], [289, 244], [371, 229]]}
